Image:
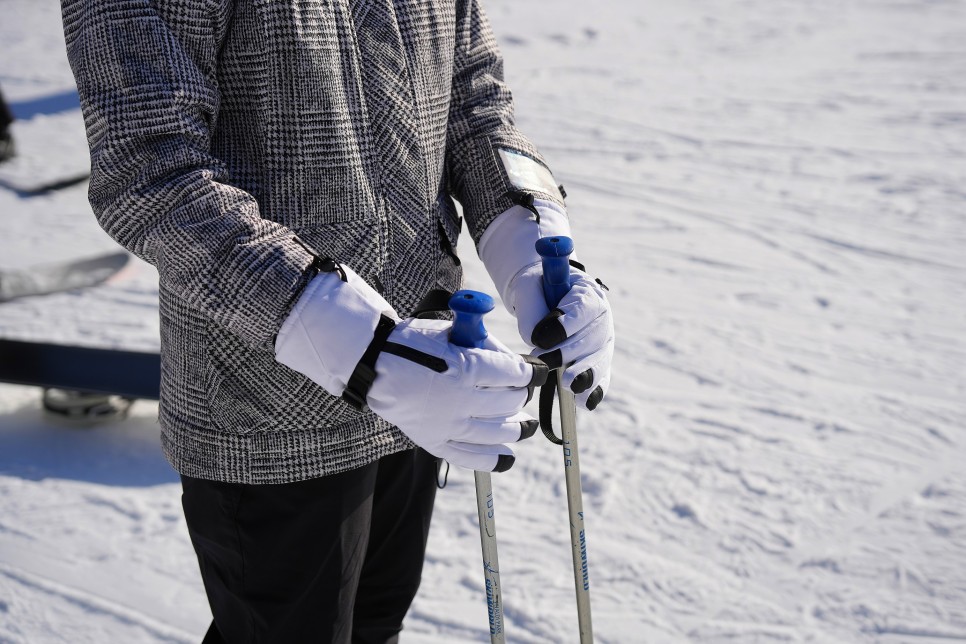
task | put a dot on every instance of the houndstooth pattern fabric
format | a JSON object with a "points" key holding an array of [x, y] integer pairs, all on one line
{"points": [[233, 140]]}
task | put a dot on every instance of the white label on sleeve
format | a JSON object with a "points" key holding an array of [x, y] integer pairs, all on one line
{"points": [[527, 174]]}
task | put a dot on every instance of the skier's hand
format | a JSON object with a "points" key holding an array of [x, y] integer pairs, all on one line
{"points": [[579, 333], [461, 404]]}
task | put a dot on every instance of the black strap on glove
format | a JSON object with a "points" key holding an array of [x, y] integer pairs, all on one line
{"points": [[360, 382], [365, 372]]}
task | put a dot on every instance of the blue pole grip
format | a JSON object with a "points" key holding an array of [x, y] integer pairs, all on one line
{"points": [[555, 253], [469, 308]]}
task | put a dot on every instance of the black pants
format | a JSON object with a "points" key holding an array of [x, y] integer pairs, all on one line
{"points": [[335, 559]]}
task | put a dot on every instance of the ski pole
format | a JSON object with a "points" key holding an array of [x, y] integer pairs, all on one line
{"points": [[468, 331], [555, 253]]}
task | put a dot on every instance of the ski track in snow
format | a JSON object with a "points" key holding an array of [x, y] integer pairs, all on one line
{"points": [[773, 191], [65, 600]]}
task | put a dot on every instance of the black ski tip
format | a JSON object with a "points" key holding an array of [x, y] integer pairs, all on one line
{"points": [[528, 428], [549, 332], [595, 399], [504, 462], [582, 382], [26, 191]]}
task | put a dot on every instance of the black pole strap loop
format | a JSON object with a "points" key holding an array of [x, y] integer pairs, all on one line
{"points": [[547, 394]]}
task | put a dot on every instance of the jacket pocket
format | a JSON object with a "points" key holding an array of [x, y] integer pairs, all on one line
{"points": [[450, 225], [249, 392], [450, 272]]}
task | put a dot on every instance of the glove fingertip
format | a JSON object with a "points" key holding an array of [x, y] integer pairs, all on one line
{"points": [[539, 376], [541, 371], [528, 428], [595, 399], [549, 332], [582, 382], [504, 462]]}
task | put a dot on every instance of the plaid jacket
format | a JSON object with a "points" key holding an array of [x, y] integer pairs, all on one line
{"points": [[233, 139]]}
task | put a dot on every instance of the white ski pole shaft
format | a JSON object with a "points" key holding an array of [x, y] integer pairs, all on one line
{"points": [[575, 507], [491, 562], [555, 252], [468, 331]]}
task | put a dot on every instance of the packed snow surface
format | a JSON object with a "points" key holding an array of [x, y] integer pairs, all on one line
{"points": [[775, 193]]}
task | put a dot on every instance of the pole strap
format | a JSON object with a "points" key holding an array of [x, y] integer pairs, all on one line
{"points": [[547, 395]]}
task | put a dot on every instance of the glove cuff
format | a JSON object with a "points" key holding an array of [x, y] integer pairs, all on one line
{"points": [[330, 327], [507, 246]]}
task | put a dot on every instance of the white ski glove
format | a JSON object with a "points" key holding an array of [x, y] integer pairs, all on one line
{"points": [[579, 333], [461, 404]]}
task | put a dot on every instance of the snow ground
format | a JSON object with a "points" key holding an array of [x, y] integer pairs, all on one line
{"points": [[773, 190]]}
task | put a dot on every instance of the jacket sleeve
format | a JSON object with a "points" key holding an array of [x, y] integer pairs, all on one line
{"points": [[146, 73], [481, 126]]}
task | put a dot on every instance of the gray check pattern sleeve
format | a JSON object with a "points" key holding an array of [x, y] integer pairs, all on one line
{"points": [[145, 70], [480, 123]]}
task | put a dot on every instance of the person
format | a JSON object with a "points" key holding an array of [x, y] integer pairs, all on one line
{"points": [[7, 148], [290, 169]]}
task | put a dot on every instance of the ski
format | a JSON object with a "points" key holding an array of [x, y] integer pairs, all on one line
{"points": [[35, 169], [54, 278], [25, 189], [131, 374]]}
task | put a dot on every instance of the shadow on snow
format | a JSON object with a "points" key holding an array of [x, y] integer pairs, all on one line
{"points": [[35, 446], [53, 104]]}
